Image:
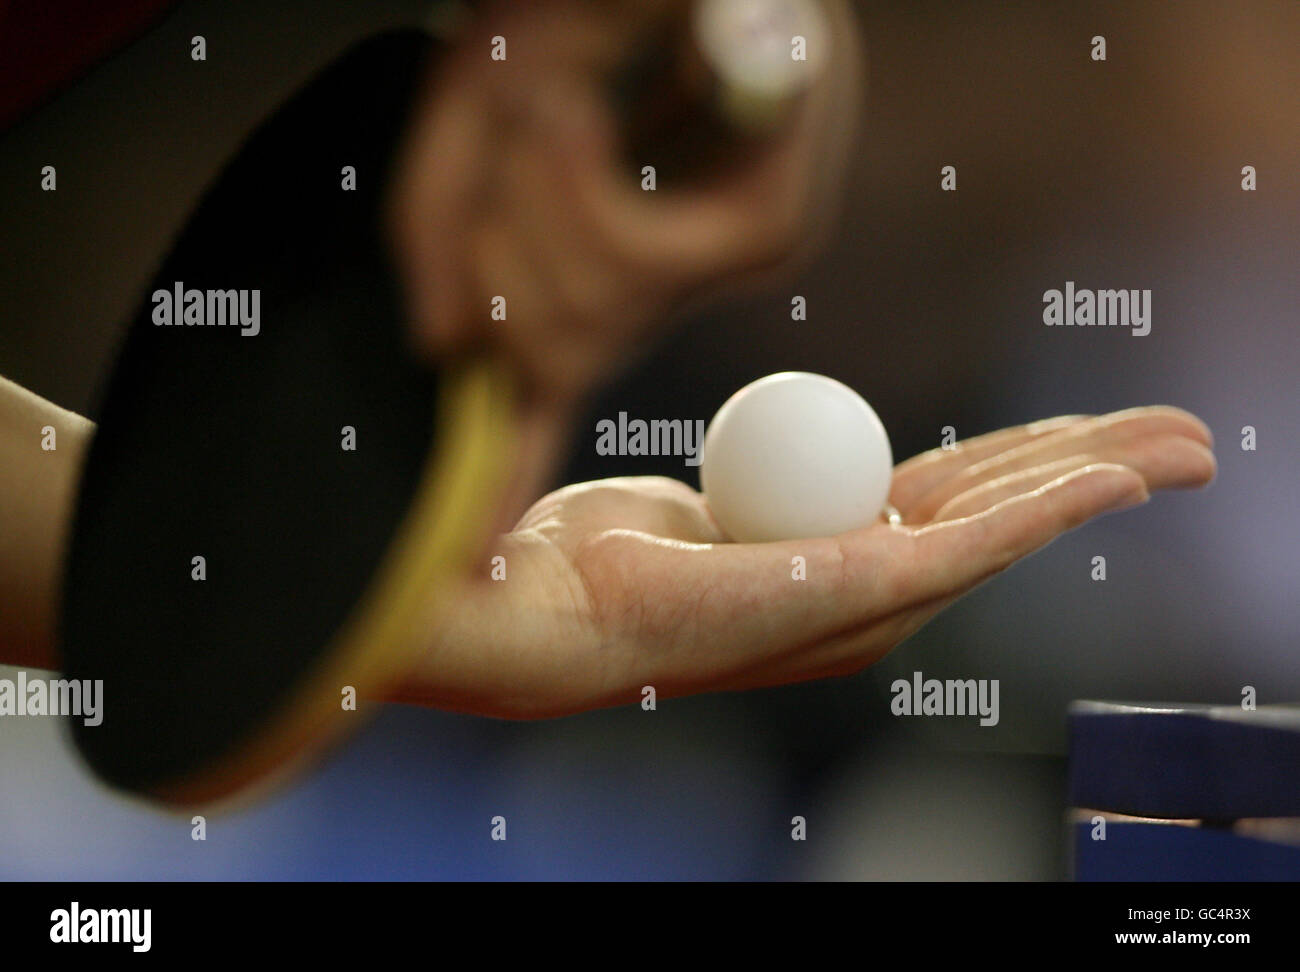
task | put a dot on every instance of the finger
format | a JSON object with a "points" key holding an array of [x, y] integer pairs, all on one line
{"points": [[995, 491], [433, 201], [1166, 462], [697, 229], [685, 235], [1166, 447], [915, 477], [920, 474], [538, 209], [955, 555]]}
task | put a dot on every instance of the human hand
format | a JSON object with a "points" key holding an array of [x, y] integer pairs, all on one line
{"points": [[514, 183], [620, 583]]}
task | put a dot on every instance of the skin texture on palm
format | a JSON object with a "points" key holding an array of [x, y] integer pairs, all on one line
{"points": [[617, 584]]}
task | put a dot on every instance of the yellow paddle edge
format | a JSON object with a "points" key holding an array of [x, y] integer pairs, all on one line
{"points": [[430, 555]]}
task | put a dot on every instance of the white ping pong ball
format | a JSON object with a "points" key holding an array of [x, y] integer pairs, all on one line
{"points": [[795, 455]]}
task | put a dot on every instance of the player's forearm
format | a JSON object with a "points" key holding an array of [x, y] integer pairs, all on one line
{"points": [[41, 447]]}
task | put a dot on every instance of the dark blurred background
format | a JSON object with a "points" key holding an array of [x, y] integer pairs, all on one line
{"points": [[1119, 174]]}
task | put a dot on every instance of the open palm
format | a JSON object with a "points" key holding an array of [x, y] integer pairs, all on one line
{"points": [[617, 584]]}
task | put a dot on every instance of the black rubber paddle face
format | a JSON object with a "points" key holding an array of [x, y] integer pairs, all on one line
{"points": [[221, 444]]}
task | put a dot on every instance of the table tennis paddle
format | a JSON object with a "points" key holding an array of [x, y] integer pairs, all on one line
{"points": [[320, 562]]}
